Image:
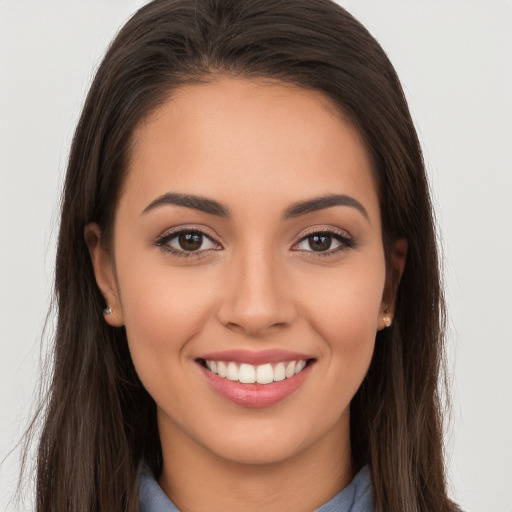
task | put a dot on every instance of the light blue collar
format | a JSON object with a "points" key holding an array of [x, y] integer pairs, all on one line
{"points": [[356, 497]]}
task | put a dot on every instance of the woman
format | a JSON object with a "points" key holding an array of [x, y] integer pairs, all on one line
{"points": [[250, 315]]}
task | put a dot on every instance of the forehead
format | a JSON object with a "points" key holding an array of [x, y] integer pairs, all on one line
{"points": [[252, 138]]}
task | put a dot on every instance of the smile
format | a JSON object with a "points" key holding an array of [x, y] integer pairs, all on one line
{"points": [[246, 373], [256, 379]]}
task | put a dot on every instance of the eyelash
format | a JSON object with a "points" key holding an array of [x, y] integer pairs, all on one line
{"points": [[345, 240], [163, 243]]}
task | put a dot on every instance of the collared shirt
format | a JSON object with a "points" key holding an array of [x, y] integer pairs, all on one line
{"points": [[356, 497]]}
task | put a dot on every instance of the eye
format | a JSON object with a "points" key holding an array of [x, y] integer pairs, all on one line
{"points": [[187, 242], [326, 242]]}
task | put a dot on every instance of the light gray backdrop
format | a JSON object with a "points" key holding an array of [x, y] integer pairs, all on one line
{"points": [[455, 62]]}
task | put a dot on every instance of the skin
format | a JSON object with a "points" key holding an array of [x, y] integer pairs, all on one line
{"points": [[256, 148]]}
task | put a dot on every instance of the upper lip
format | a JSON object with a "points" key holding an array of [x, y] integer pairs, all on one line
{"points": [[255, 357]]}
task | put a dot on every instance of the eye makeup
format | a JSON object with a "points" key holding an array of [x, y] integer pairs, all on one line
{"points": [[187, 242], [324, 242]]}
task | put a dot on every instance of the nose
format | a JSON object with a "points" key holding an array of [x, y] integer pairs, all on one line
{"points": [[256, 300]]}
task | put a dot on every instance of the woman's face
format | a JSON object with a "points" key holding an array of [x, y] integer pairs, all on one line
{"points": [[247, 241]]}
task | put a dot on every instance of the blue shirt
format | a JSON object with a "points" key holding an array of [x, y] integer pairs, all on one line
{"points": [[356, 497]]}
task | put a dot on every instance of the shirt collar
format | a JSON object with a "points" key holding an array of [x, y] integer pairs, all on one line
{"points": [[356, 497]]}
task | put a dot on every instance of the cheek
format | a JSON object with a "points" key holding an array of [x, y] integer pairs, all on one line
{"points": [[348, 301], [163, 310], [344, 311]]}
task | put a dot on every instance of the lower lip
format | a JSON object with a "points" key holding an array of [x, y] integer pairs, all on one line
{"points": [[256, 395]]}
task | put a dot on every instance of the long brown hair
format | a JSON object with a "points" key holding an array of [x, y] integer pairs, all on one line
{"points": [[99, 422]]}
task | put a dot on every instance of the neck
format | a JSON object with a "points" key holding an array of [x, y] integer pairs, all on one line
{"points": [[195, 478]]}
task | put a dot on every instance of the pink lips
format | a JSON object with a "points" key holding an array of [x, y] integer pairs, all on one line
{"points": [[261, 357], [255, 395]]}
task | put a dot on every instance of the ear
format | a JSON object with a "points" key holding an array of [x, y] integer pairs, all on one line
{"points": [[394, 274], [104, 273]]}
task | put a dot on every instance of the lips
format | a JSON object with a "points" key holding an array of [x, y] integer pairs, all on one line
{"points": [[255, 379]]}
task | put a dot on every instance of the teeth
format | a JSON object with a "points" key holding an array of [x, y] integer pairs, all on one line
{"points": [[300, 366], [264, 374], [279, 372], [249, 374], [232, 371], [290, 369], [221, 369]]}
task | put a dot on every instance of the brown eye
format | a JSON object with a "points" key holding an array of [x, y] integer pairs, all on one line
{"points": [[320, 242], [190, 241], [187, 242], [325, 243]]}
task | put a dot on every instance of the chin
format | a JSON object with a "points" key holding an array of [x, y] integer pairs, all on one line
{"points": [[251, 453]]}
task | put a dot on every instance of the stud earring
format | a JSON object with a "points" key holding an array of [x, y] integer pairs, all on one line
{"points": [[107, 311], [386, 319]]}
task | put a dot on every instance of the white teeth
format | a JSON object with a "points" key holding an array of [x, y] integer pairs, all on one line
{"points": [[300, 366], [264, 374], [221, 369], [232, 372], [249, 374], [279, 372], [290, 369]]}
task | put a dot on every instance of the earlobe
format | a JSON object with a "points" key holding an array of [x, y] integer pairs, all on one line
{"points": [[394, 275], [104, 274]]}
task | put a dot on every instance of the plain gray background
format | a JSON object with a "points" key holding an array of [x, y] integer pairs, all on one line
{"points": [[455, 62]]}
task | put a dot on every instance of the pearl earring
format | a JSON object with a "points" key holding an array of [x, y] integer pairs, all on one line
{"points": [[386, 319], [107, 311]]}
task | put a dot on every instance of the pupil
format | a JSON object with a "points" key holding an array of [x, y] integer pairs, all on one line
{"points": [[320, 242], [190, 241]]}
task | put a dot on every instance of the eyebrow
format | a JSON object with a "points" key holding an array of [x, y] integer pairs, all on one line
{"points": [[322, 202], [202, 204], [213, 207]]}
